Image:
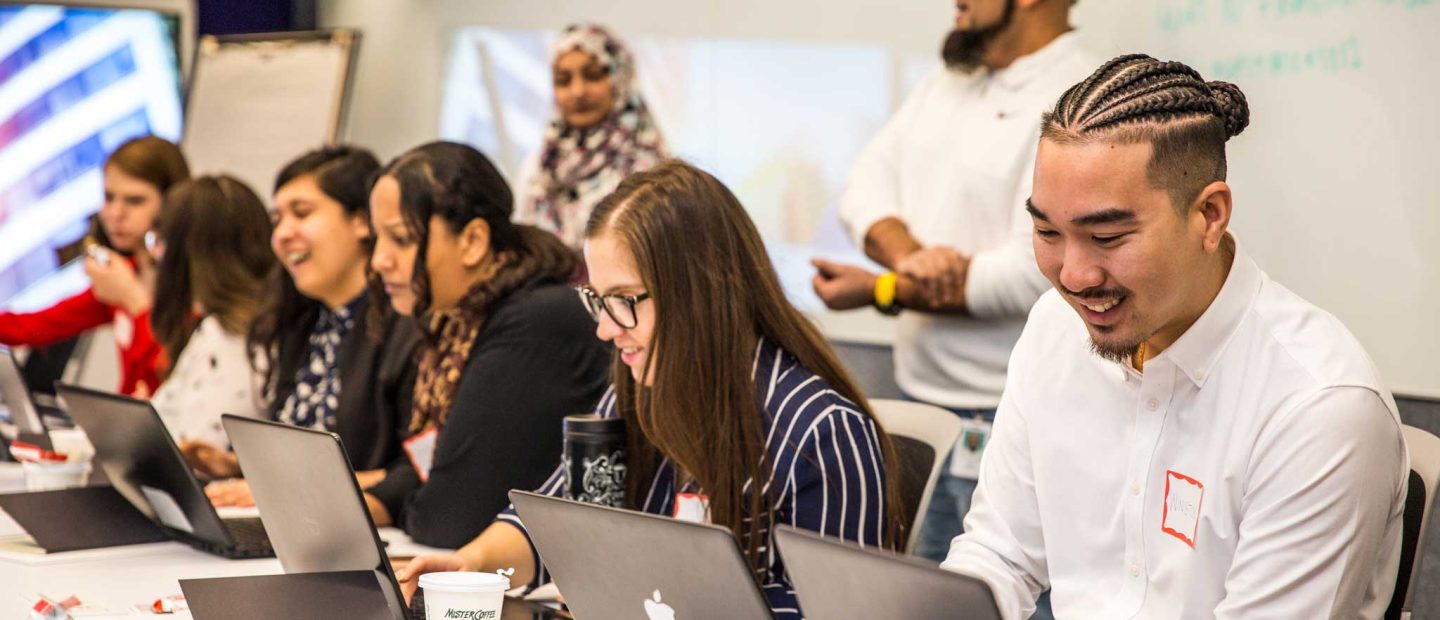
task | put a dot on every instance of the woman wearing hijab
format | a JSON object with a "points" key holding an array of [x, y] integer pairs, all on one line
{"points": [[600, 133]]}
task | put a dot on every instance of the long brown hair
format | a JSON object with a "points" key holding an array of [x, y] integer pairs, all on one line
{"points": [[217, 253], [715, 294]]}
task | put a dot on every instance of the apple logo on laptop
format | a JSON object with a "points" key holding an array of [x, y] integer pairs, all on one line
{"points": [[656, 610]]}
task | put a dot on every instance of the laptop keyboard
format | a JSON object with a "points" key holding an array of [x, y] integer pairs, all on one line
{"points": [[249, 535]]}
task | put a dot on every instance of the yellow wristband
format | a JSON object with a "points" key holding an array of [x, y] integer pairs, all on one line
{"points": [[885, 290]]}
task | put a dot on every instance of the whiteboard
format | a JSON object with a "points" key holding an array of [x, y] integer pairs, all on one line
{"points": [[1335, 186], [1337, 179], [256, 102]]}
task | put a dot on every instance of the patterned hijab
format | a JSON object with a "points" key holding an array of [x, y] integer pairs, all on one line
{"points": [[579, 167]]}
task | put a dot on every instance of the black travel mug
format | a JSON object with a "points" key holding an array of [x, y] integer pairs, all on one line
{"points": [[594, 459]]}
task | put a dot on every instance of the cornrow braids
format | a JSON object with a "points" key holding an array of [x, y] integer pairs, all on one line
{"points": [[1136, 98], [1138, 89]]}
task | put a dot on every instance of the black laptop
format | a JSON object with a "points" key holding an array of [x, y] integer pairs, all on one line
{"points": [[334, 559], [25, 414], [140, 458], [839, 580], [318, 520]]}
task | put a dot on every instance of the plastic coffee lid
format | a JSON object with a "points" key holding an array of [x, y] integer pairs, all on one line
{"points": [[464, 582]]}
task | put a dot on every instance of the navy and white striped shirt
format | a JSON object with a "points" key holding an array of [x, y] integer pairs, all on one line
{"points": [[829, 468]]}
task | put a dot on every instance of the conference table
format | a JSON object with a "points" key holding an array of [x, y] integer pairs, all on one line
{"points": [[123, 582], [109, 581]]}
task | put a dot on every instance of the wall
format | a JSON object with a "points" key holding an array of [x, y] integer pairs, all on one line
{"points": [[395, 98], [405, 40], [403, 55], [1332, 180]]}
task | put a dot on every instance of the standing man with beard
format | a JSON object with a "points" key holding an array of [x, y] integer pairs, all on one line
{"points": [[938, 197]]}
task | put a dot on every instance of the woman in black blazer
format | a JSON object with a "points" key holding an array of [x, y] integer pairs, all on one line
{"points": [[508, 348]]}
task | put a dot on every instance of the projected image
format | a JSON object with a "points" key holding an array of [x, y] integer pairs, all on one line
{"points": [[780, 123], [75, 83]]}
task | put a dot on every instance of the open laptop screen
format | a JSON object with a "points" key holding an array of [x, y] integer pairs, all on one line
{"points": [[141, 460]]}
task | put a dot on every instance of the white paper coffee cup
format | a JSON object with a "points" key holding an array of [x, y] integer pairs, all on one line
{"points": [[54, 476], [464, 596], [73, 443]]}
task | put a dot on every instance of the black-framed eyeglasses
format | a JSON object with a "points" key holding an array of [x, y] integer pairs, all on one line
{"points": [[621, 308]]}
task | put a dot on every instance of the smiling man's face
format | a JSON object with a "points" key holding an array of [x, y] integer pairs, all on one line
{"points": [[1132, 265]]}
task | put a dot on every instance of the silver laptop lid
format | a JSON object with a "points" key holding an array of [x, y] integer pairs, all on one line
{"points": [[612, 563], [837, 580], [310, 502], [141, 460], [17, 396]]}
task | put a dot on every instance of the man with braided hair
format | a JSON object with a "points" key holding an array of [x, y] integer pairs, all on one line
{"points": [[1180, 436], [938, 198]]}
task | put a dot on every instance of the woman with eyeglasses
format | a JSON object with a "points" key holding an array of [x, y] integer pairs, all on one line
{"points": [[736, 410], [507, 350], [121, 270]]}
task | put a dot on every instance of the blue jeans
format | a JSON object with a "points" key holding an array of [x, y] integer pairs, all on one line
{"points": [[945, 518]]}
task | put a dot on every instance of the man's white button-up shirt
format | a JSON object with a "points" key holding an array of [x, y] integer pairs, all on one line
{"points": [[1256, 469]]}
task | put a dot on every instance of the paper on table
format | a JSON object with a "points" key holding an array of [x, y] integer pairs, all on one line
{"points": [[546, 592], [400, 546], [21, 549], [167, 510], [237, 512]]}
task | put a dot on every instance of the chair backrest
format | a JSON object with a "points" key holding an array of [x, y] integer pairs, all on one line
{"points": [[1424, 451], [923, 435]]}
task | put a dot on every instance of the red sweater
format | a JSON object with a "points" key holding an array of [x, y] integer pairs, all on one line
{"points": [[141, 358]]}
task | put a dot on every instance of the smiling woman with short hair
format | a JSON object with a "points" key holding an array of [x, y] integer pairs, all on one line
{"points": [[328, 363]]}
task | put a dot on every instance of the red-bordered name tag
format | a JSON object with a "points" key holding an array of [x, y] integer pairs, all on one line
{"points": [[1181, 515], [421, 450], [693, 507]]}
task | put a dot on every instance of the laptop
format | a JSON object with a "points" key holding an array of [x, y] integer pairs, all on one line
{"points": [[24, 413], [317, 520], [613, 563], [137, 454], [839, 580], [47, 364], [318, 523]]}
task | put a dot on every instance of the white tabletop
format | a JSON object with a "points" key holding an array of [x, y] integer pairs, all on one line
{"points": [[113, 581]]}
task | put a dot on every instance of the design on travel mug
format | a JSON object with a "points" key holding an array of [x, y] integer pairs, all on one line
{"points": [[594, 459]]}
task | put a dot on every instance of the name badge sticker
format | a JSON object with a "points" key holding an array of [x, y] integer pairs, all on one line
{"points": [[421, 450], [1181, 514], [692, 507]]}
